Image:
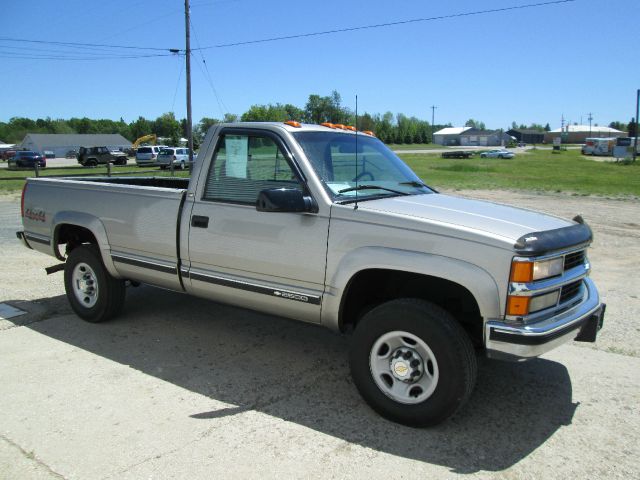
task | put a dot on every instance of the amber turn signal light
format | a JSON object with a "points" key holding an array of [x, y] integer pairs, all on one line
{"points": [[522, 272], [518, 306]]}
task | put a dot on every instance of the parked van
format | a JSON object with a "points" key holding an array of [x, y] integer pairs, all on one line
{"points": [[146, 156]]}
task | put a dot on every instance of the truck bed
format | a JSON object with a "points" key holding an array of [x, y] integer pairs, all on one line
{"points": [[136, 217]]}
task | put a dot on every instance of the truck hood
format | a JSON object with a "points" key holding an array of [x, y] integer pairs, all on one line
{"points": [[497, 220]]}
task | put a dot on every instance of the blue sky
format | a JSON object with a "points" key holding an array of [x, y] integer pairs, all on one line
{"points": [[528, 65]]}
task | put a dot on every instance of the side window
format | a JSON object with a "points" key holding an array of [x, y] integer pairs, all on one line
{"points": [[243, 166]]}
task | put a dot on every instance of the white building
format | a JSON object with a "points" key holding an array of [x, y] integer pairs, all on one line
{"points": [[449, 135]]}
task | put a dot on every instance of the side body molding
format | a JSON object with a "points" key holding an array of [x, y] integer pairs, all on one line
{"points": [[475, 279], [91, 223]]}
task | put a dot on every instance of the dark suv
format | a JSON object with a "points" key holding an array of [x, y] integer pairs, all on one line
{"points": [[27, 159], [92, 156]]}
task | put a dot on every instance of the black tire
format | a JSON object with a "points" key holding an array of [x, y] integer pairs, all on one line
{"points": [[110, 292], [455, 360]]}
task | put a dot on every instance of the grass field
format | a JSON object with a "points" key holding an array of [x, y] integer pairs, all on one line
{"points": [[542, 170]]}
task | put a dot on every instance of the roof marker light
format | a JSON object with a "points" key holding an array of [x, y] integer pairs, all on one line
{"points": [[327, 124], [369, 132], [349, 127], [339, 125], [293, 123]]}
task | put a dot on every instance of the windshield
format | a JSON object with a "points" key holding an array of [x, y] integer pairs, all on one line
{"points": [[370, 171], [26, 154]]}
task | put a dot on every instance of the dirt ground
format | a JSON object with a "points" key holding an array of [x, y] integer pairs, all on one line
{"points": [[180, 387]]}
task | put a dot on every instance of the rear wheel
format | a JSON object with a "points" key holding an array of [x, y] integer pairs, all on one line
{"points": [[93, 293], [412, 362]]}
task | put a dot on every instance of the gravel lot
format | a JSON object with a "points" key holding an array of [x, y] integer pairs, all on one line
{"points": [[184, 388]]}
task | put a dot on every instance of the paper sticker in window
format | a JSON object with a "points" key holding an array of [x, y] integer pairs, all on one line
{"points": [[237, 149]]}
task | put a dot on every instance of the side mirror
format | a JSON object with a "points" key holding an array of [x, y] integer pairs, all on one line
{"points": [[284, 200]]}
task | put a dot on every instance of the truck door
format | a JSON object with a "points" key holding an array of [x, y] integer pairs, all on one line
{"points": [[274, 262]]}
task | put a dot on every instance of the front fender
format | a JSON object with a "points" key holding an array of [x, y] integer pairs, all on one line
{"points": [[91, 223], [478, 281]]}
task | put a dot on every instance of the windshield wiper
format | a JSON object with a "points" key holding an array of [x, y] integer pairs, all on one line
{"points": [[415, 183], [372, 187]]}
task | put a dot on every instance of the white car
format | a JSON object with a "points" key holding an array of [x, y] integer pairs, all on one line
{"points": [[497, 154], [148, 155], [178, 156]]}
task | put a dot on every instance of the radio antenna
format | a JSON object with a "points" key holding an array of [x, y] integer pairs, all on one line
{"points": [[355, 205]]}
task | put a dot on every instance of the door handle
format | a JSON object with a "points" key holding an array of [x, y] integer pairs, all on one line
{"points": [[199, 221]]}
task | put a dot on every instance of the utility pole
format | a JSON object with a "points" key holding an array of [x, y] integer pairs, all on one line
{"points": [[188, 71], [433, 127], [635, 142], [590, 117]]}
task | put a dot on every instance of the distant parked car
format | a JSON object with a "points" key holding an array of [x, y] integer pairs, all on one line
{"points": [[27, 159], [94, 156], [7, 154], [497, 154], [178, 156], [146, 156], [71, 154], [457, 154], [49, 154]]}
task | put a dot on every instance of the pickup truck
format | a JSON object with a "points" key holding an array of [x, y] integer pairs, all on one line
{"points": [[324, 224]]}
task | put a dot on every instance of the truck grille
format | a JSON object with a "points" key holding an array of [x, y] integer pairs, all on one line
{"points": [[574, 259], [570, 291]]}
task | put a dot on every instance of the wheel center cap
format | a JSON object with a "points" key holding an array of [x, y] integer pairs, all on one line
{"points": [[401, 369]]}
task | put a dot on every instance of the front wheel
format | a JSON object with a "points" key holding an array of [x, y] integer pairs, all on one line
{"points": [[412, 362], [93, 293]]}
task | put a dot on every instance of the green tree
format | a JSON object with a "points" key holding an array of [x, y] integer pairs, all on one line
{"points": [[230, 118], [476, 124], [140, 127], [201, 129], [618, 126], [632, 128]]}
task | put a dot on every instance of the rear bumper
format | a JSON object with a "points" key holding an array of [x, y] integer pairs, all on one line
{"points": [[582, 322]]}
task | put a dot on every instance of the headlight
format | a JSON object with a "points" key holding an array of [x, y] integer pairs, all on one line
{"points": [[524, 272]]}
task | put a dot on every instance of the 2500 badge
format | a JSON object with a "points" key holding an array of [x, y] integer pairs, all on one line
{"points": [[37, 215]]}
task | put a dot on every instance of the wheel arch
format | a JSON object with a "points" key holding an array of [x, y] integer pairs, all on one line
{"points": [[74, 228], [397, 274]]}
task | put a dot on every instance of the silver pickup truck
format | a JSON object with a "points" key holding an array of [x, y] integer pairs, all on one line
{"points": [[325, 224]]}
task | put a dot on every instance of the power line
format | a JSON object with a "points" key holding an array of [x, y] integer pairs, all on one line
{"points": [[27, 56], [208, 74], [387, 24], [74, 44], [175, 94]]}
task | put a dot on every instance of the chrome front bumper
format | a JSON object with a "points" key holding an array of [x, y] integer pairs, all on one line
{"points": [[517, 342]]}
